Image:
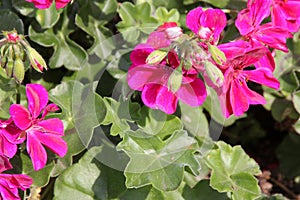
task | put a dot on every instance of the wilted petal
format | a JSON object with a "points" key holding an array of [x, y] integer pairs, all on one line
{"points": [[159, 97], [54, 142], [20, 116], [36, 151], [52, 125], [37, 98], [193, 94]]}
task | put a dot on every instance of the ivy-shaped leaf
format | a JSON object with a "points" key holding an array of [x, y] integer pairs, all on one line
{"points": [[89, 180], [92, 18], [10, 21], [66, 51], [155, 162], [135, 19], [47, 18], [163, 15], [232, 171], [24, 7]]}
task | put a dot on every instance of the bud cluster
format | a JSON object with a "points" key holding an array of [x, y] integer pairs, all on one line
{"points": [[13, 54]]}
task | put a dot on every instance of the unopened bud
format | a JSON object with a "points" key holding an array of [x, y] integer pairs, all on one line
{"points": [[214, 74], [175, 80], [19, 70], [36, 60], [218, 55], [156, 56], [9, 67]]}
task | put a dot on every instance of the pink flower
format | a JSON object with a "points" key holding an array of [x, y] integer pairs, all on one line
{"points": [[208, 24], [37, 129], [171, 30], [249, 20], [236, 96], [10, 183], [286, 14], [9, 134], [152, 80], [43, 4]]}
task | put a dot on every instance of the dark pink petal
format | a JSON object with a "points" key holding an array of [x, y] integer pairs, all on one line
{"points": [[6, 192], [61, 3], [54, 142], [253, 97], [6, 148], [22, 181], [215, 20], [234, 49], [274, 37], [37, 98], [193, 19], [20, 116], [52, 126], [50, 108], [4, 164], [266, 61], [193, 94], [238, 99], [139, 76], [41, 4], [36, 151], [260, 9], [244, 22], [159, 97], [140, 53], [262, 76]]}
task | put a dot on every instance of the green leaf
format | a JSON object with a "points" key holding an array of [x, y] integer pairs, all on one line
{"points": [[10, 21], [217, 3], [289, 156], [24, 7], [153, 161], [41, 177], [163, 15], [282, 108], [165, 195], [47, 18], [89, 180], [135, 19], [66, 51], [273, 197], [232, 171], [297, 126], [296, 100], [92, 18], [7, 92], [202, 191]]}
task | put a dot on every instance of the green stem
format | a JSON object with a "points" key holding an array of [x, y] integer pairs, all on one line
{"points": [[18, 94]]}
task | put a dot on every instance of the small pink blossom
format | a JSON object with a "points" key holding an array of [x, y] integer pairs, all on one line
{"points": [[36, 129], [44, 4], [208, 24], [236, 96], [171, 30], [249, 25], [10, 183], [9, 138], [286, 14], [152, 80]]}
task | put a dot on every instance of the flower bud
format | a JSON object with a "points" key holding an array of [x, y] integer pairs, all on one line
{"points": [[156, 56], [9, 67], [214, 74], [175, 80], [36, 60], [18, 70], [218, 55]]}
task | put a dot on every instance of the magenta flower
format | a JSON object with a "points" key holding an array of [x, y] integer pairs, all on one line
{"points": [[152, 80], [208, 24], [43, 4], [10, 183], [236, 96], [286, 14], [9, 138], [249, 20], [36, 129]]}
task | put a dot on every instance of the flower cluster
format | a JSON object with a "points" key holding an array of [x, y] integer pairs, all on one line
{"points": [[167, 67], [43, 4], [31, 126]]}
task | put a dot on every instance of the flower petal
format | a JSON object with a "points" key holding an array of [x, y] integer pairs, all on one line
{"points": [[52, 125], [193, 94], [263, 76], [37, 98], [20, 116], [193, 19], [36, 151], [4, 164], [159, 97], [238, 99], [54, 142]]}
